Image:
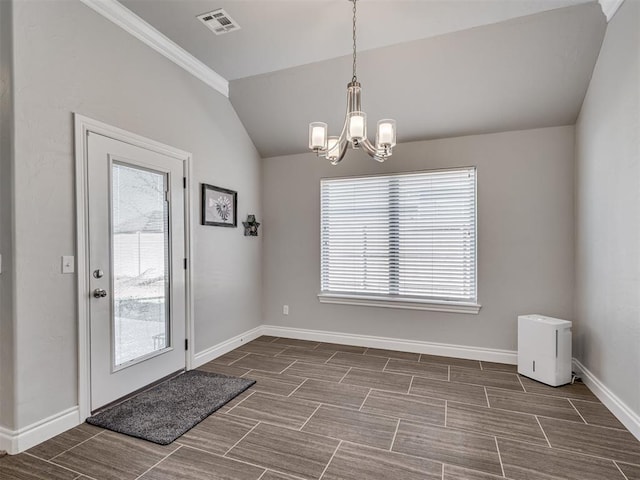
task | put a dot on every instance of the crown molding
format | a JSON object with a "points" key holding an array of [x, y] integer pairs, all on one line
{"points": [[610, 7], [136, 26]]}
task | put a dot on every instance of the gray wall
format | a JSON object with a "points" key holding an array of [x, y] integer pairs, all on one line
{"points": [[607, 335], [6, 205], [525, 237], [70, 59]]}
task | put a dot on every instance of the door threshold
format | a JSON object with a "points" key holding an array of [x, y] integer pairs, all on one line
{"points": [[140, 390]]}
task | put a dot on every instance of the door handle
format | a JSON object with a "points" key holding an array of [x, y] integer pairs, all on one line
{"points": [[99, 293]]}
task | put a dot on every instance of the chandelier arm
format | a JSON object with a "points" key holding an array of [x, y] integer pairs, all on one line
{"points": [[342, 139], [372, 151], [343, 152]]}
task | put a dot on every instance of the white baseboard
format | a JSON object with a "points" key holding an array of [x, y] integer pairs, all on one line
{"points": [[220, 349], [16, 441], [416, 346], [621, 410]]}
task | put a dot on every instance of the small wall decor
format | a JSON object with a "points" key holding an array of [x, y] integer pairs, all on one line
{"points": [[219, 206], [251, 226]]}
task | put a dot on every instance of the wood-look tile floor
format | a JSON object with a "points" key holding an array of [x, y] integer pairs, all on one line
{"points": [[336, 412]]}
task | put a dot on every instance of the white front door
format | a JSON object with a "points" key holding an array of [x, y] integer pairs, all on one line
{"points": [[137, 278]]}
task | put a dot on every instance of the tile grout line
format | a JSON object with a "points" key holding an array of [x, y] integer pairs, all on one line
{"points": [[486, 394], [330, 460], [157, 463], [308, 419], [329, 359], [71, 448], [499, 456], [446, 407], [448, 373], [240, 402], [384, 369], [345, 375], [242, 438], [543, 432], [508, 389], [560, 449], [577, 411], [57, 465], [410, 385], [296, 389], [365, 399], [236, 360], [263, 474], [395, 434], [443, 471], [618, 467], [404, 374], [191, 447], [294, 362]]}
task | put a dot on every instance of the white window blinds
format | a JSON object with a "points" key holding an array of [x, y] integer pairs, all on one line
{"points": [[403, 236]]}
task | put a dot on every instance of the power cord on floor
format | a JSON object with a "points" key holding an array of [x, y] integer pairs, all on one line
{"points": [[575, 378]]}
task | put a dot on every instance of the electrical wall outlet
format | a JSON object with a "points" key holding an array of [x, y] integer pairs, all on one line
{"points": [[285, 309]]}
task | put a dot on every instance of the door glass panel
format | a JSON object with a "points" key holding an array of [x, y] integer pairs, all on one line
{"points": [[140, 246]]}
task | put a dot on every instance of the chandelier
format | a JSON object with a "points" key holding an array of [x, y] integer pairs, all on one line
{"points": [[354, 130]]}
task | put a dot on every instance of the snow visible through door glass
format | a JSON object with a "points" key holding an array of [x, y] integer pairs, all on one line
{"points": [[140, 249]]}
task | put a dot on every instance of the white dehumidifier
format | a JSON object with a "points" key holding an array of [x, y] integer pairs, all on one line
{"points": [[544, 349]]}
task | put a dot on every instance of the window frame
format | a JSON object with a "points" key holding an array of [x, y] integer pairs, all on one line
{"points": [[405, 301]]}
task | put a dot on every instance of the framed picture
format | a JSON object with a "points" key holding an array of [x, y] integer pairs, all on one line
{"points": [[219, 206]]}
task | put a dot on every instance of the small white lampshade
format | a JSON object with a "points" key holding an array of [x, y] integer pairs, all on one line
{"points": [[357, 129], [317, 136], [386, 134], [333, 149]]}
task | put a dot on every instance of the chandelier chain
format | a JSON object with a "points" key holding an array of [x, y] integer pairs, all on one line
{"points": [[354, 78]]}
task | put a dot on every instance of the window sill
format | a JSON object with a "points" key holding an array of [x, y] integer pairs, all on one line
{"points": [[409, 304]]}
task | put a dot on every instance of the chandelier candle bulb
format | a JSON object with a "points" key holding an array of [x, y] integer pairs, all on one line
{"points": [[318, 136], [386, 133], [357, 126]]}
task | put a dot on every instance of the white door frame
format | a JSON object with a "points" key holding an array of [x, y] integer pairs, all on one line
{"points": [[83, 125]]}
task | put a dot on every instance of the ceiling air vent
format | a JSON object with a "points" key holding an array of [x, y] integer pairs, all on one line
{"points": [[219, 21]]}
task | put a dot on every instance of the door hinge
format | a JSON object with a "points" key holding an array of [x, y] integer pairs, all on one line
{"points": [[185, 263], [184, 182], [186, 344]]}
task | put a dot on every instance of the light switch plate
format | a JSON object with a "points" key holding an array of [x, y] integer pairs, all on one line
{"points": [[68, 264]]}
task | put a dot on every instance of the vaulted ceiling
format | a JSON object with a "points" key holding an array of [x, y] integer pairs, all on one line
{"points": [[441, 68]]}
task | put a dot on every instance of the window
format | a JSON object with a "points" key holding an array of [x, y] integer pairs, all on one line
{"points": [[402, 240]]}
